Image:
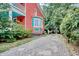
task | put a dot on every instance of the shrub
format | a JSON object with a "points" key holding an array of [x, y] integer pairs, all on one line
{"points": [[9, 37], [5, 30], [70, 24], [29, 33], [6, 35], [54, 16], [20, 32], [75, 37], [10, 31]]}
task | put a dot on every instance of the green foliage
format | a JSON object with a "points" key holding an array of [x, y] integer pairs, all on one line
{"points": [[29, 33], [74, 37], [70, 25], [5, 32], [10, 31], [4, 13], [54, 15], [4, 6], [20, 32], [63, 18], [11, 34]]}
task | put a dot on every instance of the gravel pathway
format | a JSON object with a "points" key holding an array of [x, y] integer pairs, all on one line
{"points": [[50, 45]]}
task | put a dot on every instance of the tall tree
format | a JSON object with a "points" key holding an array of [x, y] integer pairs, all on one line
{"points": [[54, 13], [4, 9]]}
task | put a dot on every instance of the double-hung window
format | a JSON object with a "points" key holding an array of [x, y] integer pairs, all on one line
{"points": [[37, 22]]}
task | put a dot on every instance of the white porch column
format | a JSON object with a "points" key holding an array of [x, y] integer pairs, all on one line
{"points": [[10, 14], [25, 15]]}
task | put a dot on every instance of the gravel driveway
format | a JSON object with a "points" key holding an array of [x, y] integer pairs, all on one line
{"points": [[50, 45]]}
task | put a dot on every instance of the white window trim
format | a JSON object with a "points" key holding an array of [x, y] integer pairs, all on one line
{"points": [[39, 23]]}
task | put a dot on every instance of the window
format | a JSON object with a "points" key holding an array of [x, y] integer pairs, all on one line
{"points": [[37, 22]]}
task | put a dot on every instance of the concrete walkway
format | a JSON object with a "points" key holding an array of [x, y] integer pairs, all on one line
{"points": [[50, 45]]}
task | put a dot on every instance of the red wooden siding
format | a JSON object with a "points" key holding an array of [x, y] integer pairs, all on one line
{"points": [[32, 10]]}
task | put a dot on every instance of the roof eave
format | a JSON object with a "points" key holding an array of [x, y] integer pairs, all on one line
{"points": [[41, 10]]}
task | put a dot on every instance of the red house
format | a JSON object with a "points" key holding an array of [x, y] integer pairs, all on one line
{"points": [[28, 14]]}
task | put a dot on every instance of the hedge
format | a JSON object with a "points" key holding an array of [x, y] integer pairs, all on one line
{"points": [[70, 25], [10, 31]]}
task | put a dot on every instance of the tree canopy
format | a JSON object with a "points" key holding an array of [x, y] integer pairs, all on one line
{"points": [[54, 13], [3, 10], [4, 6], [63, 19]]}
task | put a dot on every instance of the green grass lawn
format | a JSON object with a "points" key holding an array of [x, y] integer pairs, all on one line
{"points": [[7, 46]]}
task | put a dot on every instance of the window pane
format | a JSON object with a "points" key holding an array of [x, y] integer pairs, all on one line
{"points": [[37, 22]]}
